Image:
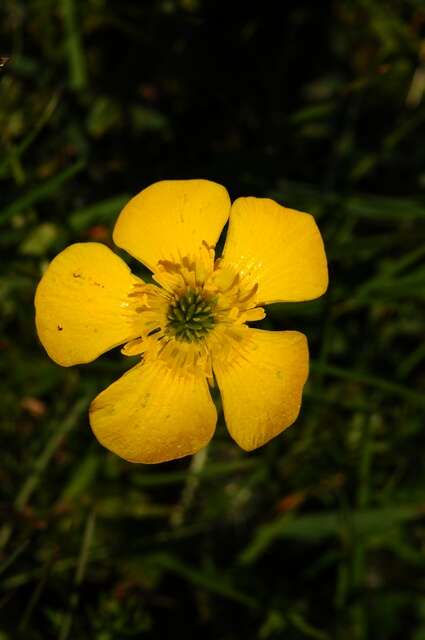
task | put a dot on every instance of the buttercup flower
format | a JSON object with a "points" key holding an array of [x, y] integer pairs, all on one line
{"points": [[190, 327]]}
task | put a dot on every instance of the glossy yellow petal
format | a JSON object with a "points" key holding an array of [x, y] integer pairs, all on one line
{"points": [[279, 248], [81, 304], [261, 384], [172, 219], [154, 414]]}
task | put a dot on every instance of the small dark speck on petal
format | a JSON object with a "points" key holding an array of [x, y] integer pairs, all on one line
{"points": [[60, 327], [76, 275]]}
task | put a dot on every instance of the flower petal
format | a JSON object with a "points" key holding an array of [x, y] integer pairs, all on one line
{"points": [[171, 219], [261, 384], [280, 249], [81, 304], [154, 414]]}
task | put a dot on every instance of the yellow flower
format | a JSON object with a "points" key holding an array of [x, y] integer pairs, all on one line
{"points": [[190, 327]]}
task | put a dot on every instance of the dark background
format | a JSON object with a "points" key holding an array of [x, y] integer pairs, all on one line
{"points": [[320, 534]]}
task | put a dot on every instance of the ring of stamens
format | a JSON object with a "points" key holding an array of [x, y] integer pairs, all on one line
{"points": [[190, 316]]}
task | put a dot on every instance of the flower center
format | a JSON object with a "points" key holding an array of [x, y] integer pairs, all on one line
{"points": [[190, 317]]}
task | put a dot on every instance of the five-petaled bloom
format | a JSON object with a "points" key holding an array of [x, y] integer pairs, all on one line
{"points": [[190, 327]]}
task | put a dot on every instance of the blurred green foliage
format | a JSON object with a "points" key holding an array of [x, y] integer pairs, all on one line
{"points": [[321, 533]]}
